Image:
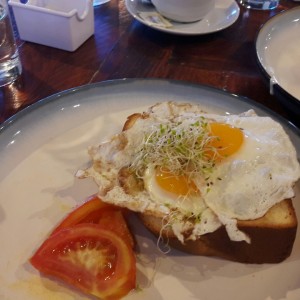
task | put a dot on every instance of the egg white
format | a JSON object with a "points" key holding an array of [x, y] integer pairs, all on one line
{"points": [[243, 186]]}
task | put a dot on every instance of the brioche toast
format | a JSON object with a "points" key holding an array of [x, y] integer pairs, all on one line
{"points": [[272, 236]]}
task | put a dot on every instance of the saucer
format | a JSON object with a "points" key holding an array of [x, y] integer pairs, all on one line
{"points": [[225, 13]]}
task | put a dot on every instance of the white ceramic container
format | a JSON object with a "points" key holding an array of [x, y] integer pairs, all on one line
{"points": [[62, 24]]}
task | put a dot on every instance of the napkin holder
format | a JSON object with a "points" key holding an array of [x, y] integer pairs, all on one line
{"points": [[62, 24]]}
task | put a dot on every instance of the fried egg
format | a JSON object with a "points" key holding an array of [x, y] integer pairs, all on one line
{"points": [[197, 170]]}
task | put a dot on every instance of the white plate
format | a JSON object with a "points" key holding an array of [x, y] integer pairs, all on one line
{"points": [[40, 150], [224, 15], [278, 51]]}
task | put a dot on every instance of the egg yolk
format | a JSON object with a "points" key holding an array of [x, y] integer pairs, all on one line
{"points": [[180, 185], [226, 140]]}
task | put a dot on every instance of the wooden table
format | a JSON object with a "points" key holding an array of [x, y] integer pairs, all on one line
{"points": [[124, 48]]}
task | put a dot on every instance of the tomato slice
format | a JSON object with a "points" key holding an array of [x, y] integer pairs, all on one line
{"points": [[115, 221], [94, 260], [96, 211]]}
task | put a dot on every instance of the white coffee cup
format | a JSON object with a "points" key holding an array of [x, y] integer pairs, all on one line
{"points": [[184, 10]]}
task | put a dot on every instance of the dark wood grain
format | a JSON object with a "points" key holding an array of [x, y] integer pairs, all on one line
{"points": [[123, 48]]}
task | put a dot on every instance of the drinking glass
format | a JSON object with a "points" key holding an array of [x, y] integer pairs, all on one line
{"points": [[99, 2], [10, 65], [260, 4]]}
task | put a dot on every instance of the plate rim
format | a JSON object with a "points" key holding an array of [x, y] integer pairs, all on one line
{"points": [[166, 30], [61, 94]]}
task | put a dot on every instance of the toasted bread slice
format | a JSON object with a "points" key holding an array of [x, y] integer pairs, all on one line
{"points": [[272, 237]]}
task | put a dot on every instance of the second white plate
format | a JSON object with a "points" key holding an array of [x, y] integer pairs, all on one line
{"points": [[224, 15], [278, 52]]}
